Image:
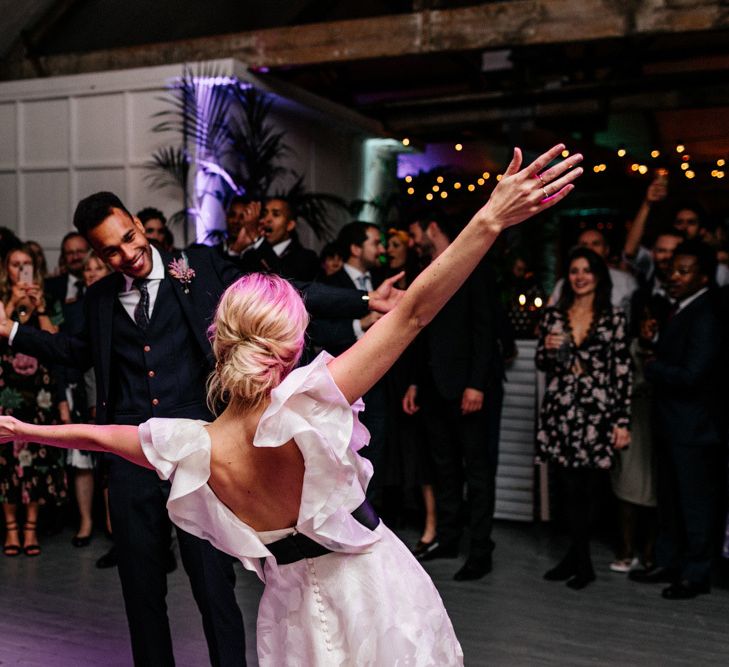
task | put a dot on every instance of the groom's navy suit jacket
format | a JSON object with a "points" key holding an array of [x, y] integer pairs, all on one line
{"points": [[94, 345]]}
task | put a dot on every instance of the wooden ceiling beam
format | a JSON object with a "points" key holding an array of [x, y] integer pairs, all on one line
{"points": [[488, 26]]}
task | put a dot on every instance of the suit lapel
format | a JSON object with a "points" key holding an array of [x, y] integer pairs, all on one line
{"points": [[187, 304]]}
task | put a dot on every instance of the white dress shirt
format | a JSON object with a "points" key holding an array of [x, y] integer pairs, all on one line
{"points": [[129, 297]]}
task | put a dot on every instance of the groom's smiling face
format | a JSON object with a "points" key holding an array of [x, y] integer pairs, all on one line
{"points": [[120, 241]]}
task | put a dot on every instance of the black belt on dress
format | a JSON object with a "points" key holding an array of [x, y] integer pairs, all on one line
{"points": [[296, 547]]}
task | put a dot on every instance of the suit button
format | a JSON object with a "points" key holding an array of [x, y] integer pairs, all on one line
{"points": [[151, 374], [147, 348], [155, 401]]}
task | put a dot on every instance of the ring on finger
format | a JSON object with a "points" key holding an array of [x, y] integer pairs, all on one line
{"points": [[541, 180], [546, 194]]}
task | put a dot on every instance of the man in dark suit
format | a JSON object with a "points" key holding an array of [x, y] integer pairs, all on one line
{"points": [[460, 389], [145, 335], [688, 427], [69, 286], [279, 250]]}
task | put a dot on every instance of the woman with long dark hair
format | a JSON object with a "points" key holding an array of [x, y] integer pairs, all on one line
{"points": [[585, 413]]}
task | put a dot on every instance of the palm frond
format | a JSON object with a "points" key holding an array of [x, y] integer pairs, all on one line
{"points": [[168, 166], [316, 208]]}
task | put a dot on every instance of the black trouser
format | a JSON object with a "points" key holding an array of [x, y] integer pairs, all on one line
{"points": [[581, 487], [688, 499], [141, 527], [464, 447]]}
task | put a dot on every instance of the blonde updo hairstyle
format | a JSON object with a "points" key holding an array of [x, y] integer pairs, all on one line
{"points": [[257, 338]]}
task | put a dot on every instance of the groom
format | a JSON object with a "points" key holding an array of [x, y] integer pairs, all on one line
{"points": [[145, 335]]}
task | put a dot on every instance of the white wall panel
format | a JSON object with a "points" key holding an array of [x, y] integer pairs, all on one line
{"points": [[89, 181], [99, 130], [142, 107], [8, 136], [45, 133], [45, 205], [515, 475], [9, 199]]}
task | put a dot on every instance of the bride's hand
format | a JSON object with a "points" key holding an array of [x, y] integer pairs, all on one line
{"points": [[522, 193], [7, 428]]}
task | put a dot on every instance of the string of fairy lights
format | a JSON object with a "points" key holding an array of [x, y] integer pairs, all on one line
{"points": [[656, 165]]}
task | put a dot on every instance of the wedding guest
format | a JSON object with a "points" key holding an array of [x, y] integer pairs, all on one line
{"points": [[585, 413], [155, 227], [39, 256], [330, 260], [409, 462], [30, 474], [689, 427]]}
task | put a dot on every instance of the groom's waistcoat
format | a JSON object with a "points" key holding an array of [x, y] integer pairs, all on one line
{"points": [[160, 372]]}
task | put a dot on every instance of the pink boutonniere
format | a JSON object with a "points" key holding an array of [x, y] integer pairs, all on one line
{"points": [[181, 270]]}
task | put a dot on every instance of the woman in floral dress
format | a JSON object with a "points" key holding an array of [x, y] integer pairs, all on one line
{"points": [[30, 474], [585, 413]]}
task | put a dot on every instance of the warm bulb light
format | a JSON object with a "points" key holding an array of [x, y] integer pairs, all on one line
{"points": [[499, 177], [471, 187], [480, 181], [408, 179], [596, 168], [411, 191], [565, 153], [680, 148], [429, 196], [456, 186], [459, 147], [436, 188], [538, 302], [720, 174], [443, 194], [439, 179], [622, 152], [655, 154], [690, 174], [684, 165], [643, 169], [634, 167], [720, 162], [486, 175], [522, 299], [406, 142]]}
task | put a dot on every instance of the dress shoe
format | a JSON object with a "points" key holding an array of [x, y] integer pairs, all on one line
{"points": [[109, 559], [421, 548], [653, 575], [81, 541], [579, 581], [565, 569], [441, 551], [473, 569], [684, 590]]}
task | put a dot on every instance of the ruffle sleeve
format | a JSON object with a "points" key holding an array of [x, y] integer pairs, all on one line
{"points": [[179, 449], [309, 407]]}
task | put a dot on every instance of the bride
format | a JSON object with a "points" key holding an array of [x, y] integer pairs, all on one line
{"points": [[276, 479]]}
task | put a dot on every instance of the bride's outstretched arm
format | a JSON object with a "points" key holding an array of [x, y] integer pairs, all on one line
{"points": [[120, 440], [519, 195]]}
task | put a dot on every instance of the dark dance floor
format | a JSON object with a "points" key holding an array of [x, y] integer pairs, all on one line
{"points": [[59, 610]]}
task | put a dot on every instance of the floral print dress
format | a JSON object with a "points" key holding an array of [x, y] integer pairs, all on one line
{"points": [[29, 472], [587, 391]]}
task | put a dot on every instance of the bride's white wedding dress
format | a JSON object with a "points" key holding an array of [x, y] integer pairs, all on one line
{"points": [[367, 603]]}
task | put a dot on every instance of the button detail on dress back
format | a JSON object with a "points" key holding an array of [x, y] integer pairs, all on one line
{"points": [[151, 374], [155, 401], [146, 348]]}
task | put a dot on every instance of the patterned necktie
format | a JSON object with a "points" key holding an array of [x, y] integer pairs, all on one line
{"points": [[141, 310], [363, 281]]}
